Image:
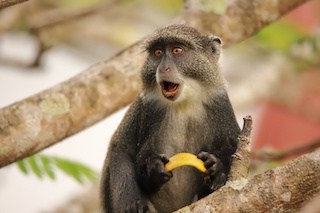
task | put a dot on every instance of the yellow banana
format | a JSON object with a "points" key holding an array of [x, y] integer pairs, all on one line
{"points": [[185, 159]]}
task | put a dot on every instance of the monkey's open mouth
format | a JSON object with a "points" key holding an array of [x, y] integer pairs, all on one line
{"points": [[170, 90]]}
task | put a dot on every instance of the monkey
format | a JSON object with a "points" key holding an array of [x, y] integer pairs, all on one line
{"points": [[183, 107]]}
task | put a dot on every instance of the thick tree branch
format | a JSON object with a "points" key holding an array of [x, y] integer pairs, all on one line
{"points": [[241, 19], [44, 119], [8, 3], [283, 189]]}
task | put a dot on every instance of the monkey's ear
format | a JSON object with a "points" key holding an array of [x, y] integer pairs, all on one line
{"points": [[215, 43], [215, 39]]}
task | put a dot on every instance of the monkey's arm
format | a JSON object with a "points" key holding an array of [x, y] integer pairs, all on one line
{"points": [[150, 162], [224, 142], [120, 190]]}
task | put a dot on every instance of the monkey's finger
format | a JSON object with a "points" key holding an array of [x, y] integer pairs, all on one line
{"points": [[203, 155], [209, 163], [166, 175], [164, 158], [208, 159], [185, 159]]}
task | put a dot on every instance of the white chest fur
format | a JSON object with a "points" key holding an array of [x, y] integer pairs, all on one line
{"points": [[179, 129]]}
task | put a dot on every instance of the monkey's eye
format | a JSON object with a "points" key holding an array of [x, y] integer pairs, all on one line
{"points": [[158, 53], [177, 50]]}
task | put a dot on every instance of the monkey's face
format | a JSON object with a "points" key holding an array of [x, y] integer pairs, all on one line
{"points": [[169, 80], [181, 63]]}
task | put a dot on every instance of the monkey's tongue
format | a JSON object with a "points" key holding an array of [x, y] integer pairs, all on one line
{"points": [[169, 89]]}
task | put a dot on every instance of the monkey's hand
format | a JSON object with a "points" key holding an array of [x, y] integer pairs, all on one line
{"points": [[153, 174], [215, 176], [139, 206]]}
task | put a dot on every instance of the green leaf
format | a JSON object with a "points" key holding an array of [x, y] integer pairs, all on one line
{"points": [[88, 172], [47, 166], [76, 170], [43, 165], [68, 169], [33, 162], [22, 166]]}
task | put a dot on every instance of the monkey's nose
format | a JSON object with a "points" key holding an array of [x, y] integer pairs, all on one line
{"points": [[167, 69]]}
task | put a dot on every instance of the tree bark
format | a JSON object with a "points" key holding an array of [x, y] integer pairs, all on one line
{"points": [[37, 122], [44, 119], [241, 19], [8, 3], [283, 190], [241, 159]]}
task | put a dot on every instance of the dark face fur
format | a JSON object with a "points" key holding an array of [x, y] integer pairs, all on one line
{"points": [[178, 58]]}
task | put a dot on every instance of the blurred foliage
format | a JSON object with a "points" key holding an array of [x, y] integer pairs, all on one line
{"points": [[77, 3], [306, 50], [44, 165], [285, 37], [166, 5], [279, 35], [259, 167]]}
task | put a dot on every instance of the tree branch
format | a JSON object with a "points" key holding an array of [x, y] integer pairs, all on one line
{"points": [[8, 3], [241, 160], [59, 17], [283, 189], [62, 16], [37, 122], [241, 20]]}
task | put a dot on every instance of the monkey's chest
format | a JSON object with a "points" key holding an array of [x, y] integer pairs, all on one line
{"points": [[175, 137], [179, 191]]}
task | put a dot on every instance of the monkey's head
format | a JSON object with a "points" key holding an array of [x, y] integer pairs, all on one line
{"points": [[181, 64]]}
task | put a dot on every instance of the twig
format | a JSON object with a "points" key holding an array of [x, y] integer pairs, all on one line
{"points": [[58, 17], [62, 16], [8, 3], [41, 49], [281, 155], [241, 160]]}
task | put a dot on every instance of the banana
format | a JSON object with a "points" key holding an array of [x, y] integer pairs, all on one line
{"points": [[185, 159]]}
